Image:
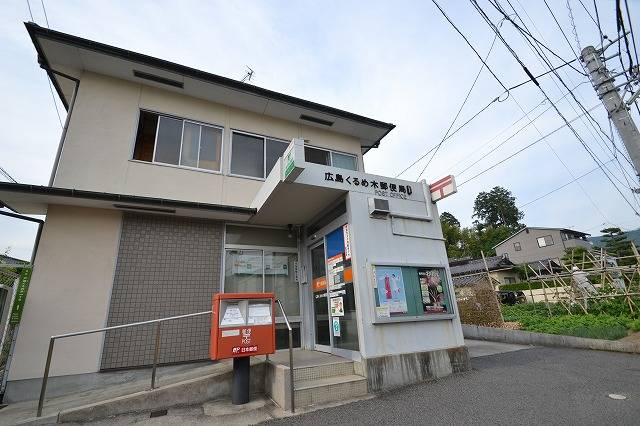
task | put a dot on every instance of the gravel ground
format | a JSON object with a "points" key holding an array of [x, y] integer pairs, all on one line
{"points": [[533, 386]]}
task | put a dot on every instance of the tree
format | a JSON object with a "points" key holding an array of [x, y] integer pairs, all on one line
{"points": [[617, 244], [497, 208], [449, 219], [452, 236]]}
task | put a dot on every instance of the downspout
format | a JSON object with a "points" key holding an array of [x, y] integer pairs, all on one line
{"points": [[56, 161]]}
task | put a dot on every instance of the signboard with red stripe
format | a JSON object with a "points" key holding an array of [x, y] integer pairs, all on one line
{"points": [[443, 188]]}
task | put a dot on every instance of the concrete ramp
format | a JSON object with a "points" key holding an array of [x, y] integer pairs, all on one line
{"points": [[202, 383]]}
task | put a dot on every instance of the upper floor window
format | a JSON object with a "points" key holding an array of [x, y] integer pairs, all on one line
{"points": [[330, 158], [517, 246], [254, 156], [170, 140], [545, 241]]}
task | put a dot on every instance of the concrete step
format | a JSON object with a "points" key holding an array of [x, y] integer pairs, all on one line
{"points": [[329, 389], [301, 374]]}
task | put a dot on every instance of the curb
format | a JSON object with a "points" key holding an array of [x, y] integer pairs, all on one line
{"points": [[521, 337]]}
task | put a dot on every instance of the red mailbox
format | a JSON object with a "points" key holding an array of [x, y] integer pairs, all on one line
{"points": [[242, 324]]}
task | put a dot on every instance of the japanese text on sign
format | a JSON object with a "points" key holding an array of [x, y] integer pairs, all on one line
{"points": [[381, 188], [244, 350]]}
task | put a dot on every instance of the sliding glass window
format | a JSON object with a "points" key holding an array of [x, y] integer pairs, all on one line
{"points": [[254, 156], [176, 141]]}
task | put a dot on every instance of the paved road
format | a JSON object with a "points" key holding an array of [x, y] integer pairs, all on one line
{"points": [[531, 386]]}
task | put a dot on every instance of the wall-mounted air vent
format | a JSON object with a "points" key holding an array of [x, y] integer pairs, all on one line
{"points": [[158, 79], [378, 208], [316, 120]]}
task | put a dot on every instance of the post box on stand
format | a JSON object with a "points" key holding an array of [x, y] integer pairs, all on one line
{"points": [[242, 325]]}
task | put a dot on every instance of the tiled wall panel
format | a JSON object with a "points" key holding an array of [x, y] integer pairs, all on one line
{"points": [[166, 266]]}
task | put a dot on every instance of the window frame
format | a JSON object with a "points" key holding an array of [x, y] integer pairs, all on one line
{"points": [[331, 151], [544, 238], [263, 249], [155, 142], [264, 153], [412, 318]]}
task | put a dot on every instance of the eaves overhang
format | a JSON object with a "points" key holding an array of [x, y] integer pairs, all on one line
{"points": [[72, 55], [35, 199]]}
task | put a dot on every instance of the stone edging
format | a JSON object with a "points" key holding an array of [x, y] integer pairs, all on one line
{"points": [[541, 339]]}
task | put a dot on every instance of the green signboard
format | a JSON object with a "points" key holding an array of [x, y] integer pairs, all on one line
{"points": [[289, 163], [21, 296]]}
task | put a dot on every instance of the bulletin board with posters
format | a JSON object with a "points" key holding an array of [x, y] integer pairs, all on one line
{"points": [[410, 293]]}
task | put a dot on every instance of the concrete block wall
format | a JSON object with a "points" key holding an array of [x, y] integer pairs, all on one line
{"points": [[166, 266]]}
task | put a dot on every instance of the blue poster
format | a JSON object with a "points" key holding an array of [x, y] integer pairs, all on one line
{"points": [[390, 286]]}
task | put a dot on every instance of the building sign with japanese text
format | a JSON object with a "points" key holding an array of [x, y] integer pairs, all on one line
{"points": [[381, 188]]}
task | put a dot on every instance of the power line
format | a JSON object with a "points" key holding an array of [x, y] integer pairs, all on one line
{"points": [[560, 187], [513, 53], [523, 149], [461, 106], [30, 14], [633, 37], [53, 96], [531, 121], [592, 119], [7, 175], [45, 13]]}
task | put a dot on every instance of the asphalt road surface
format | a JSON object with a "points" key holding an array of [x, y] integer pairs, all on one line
{"points": [[532, 386]]}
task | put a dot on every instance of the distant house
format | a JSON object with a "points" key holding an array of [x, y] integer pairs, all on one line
{"points": [[466, 270], [533, 244]]}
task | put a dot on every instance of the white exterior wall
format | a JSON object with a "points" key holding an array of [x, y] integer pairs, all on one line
{"points": [[373, 242], [98, 150], [69, 291]]}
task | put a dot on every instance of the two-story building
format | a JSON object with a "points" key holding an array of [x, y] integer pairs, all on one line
{"points": [[172, 184], [531, 244]]}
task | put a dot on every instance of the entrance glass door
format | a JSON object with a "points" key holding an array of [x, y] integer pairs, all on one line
{"points": [[319, 294], [334, 305]]}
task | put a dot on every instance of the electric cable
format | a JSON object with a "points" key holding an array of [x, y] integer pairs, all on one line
{"points": [[493, 42], [514, 54], [510, 156], [560, 187]]}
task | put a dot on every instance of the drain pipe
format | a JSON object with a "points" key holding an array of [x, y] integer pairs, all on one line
{"points": [[66, 121]]}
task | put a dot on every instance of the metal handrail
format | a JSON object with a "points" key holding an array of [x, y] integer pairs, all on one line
{"points": [[291, 384], [158, 321]]}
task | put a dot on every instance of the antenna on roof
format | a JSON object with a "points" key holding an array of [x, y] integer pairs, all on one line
{"points": [[248, 75]]}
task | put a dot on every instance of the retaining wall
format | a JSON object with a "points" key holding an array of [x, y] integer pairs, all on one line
{"points": [[542, 339]]}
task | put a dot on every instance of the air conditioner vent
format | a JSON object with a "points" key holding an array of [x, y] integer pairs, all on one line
{"points": [[378, 207]]}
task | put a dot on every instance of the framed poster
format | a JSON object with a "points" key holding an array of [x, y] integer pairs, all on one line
{"points": [[391, 292], [432, 283], [337, 306]]}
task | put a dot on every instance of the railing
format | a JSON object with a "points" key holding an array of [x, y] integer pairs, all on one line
{"points": [[159, 321], [291, 384]]}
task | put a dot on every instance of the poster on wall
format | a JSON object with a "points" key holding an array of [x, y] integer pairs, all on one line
{"points": [[432, 288], [391, 292], [337, 307], [347, 242]]}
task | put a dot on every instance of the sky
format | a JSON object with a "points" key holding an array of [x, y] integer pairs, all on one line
{"points": [[399, 62]]}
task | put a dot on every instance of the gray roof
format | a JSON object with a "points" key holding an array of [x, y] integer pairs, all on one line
{"points": [[11, 260], [469, 280], [468, 266]]}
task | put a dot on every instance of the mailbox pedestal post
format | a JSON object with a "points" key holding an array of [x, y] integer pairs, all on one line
{"points": [[241, 380]]}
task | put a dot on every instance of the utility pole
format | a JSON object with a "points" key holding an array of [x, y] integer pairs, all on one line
{"points": [[618, 110]]}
